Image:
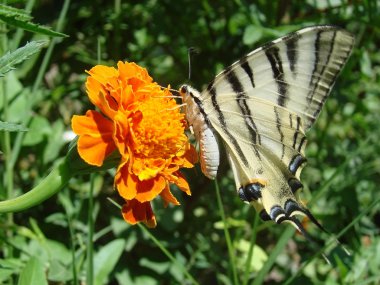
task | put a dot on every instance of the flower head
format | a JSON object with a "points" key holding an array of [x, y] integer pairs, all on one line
{"points": [[142, 122]]}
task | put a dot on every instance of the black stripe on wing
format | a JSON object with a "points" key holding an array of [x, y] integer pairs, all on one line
{"points": [[241, 98], [291, 50], [200, 107], [295, 137], [245, 65], [273, 55], [278, 123], [223, 124], [332, 80], [318, 48]]}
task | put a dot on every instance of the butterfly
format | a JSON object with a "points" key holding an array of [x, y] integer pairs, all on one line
{"points": [[260, 107]]}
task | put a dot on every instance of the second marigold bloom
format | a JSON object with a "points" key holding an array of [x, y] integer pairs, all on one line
{"points": [[143, 123]]}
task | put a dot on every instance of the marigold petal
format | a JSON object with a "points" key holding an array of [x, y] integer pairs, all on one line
{"points": [[134, 212], [99, 96], [95, 141], [147, 190], [102, 73], [191, 157], [147, 169], [125, 183], [182, 183], [188, 158], [133, 74], [121, 132], [168, 196]]}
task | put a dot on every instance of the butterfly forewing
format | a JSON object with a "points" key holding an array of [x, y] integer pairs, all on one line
{"points": [[296, 71]]}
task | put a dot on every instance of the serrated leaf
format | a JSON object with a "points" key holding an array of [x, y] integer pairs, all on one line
{"points": [[33, 271], [31, 27], [12, 127], [9, 60], [14, 12]]}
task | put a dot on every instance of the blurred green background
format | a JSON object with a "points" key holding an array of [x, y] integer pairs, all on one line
{"points": [[341, 178]]}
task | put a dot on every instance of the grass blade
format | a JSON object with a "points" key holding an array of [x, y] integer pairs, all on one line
{"points": [[226, 234], [286, 235], [250, 251]]}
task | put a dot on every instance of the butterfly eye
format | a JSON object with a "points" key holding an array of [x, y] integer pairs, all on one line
{"points": [[183, 89]]}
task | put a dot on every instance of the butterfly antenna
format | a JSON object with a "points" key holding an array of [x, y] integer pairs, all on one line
{"points": [[190, 51]]}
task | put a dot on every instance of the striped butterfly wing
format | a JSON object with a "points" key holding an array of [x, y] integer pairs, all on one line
{"points": [[262, 105]]}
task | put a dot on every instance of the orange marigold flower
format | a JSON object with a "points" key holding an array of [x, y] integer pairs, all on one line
{"points": [[143, 123]]}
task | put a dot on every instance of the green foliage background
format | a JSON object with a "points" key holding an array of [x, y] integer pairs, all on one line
{"points": [[49, 242]]}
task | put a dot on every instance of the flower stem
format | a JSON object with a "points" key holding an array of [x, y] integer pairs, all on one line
{"points": [[168, 254], [7, 148], [50, 185], [90, 221], [72, 244], [226, 234]]}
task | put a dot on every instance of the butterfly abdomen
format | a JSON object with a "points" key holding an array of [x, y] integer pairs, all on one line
{"points": [[197, 119]]}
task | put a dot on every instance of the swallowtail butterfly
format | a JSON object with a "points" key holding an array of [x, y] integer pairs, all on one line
{"points": [[261, 106]]}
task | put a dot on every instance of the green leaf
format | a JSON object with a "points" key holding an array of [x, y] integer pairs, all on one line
{"points": [[14, 12], [13, 89], [12, 127], [366, 64], [33, 271], [55, 142], [259, 256], [10, 59], [5, 274], [21, 22], [252, 34], [60, 267], [39, 129], [106, 259], [59, 272], [159, 267]]}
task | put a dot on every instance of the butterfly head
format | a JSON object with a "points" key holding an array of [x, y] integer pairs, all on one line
{"points": [[188, 92]]}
